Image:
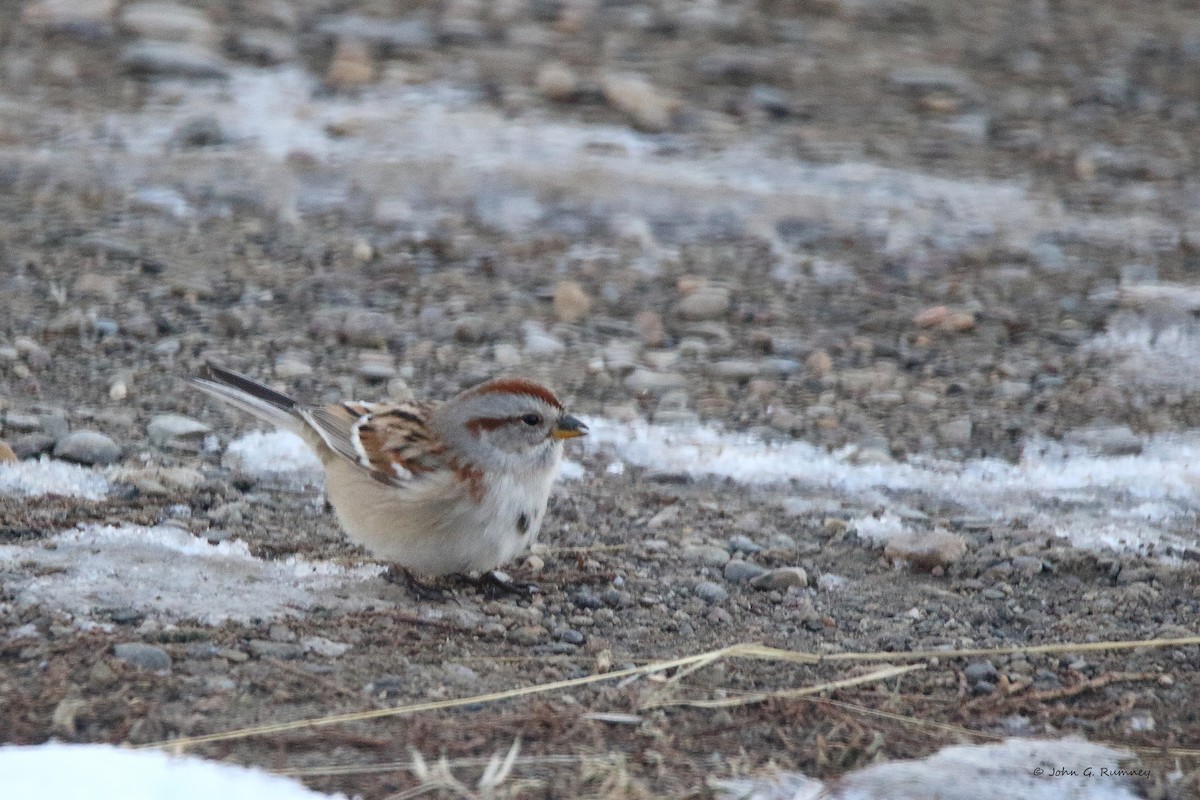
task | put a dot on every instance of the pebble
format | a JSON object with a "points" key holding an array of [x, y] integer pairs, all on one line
{"points": [[167, 430], [719, 616], [87, 19], [741, 543], [711, 592], [706, 302], [390, 34], [570, 636], [363, 328], [376, 366], [460, 674], [1106, 440], [571, 302], [528, 634], [649, 326], [556, 81], [180, 59], [538, 342], [738, 571], [980, 671], [6, 452], [955, 432], [167, 22], [265, 648], [87, 447], [263, 46], [32, 444], [781, 578], [648, 108], [143, 655], [351, 66], [644, 381], [707, 554], [926, 550]]}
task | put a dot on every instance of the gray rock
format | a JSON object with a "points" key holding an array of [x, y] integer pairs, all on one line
{"points": [[570, 636], [168, 429], [143, 655], [394, 34], [980, 671], [928, 79], [781, 578], [263, 46], [87, 447], [265, 648], [743, 544], [31, 444], [707, 554], [1106, 440], [644, 381], [180, 59], [738, 571], [708, 302], [710, 592], [460, 674]]}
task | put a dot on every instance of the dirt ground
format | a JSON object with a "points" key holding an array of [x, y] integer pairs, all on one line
{"points": [[1092, 106]]}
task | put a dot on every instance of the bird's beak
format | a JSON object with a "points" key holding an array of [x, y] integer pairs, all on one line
{"points": [[568, 428]]}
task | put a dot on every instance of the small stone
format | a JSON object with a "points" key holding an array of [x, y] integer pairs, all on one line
{"points": [[87, 447], [363, 328], [706, 302], [263, 46], [101, 675], [528, 634], [649, 326], [570, 636], [143, 655], [119, 390], [281, 633], [719, 616], [362, 251], [376, 366], [265, 648], [707, 554], [203, 130], [781, 578], [460, 674], [535, 563], [1106, 440], [980, 671], [539, 342], [571, 302], [167, 22], [167, 430], [181, 59], [711, 592], [32, 444], [95, 286], [644, 381], [956, 432], [6, 452], [63, 718], [319, 645], [646, 106], [351, 66], [557, 81], [1028, 565], [926, 550], [738, 571], [86, 19]]}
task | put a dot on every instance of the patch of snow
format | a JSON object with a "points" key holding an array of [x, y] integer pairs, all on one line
{"points": [[104, 772], [44, 476], [1147, 503], [571, 470], [879, 529], [1150, 353], [276, 456], [167, 573], [1021, 768]]}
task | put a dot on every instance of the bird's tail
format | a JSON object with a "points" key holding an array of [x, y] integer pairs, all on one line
{"points": [[250, 396]]}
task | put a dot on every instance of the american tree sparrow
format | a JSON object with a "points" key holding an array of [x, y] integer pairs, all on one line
{"points": [[435, 488]]}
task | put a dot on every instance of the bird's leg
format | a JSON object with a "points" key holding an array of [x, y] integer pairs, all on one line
{"points": [[420, 590]]}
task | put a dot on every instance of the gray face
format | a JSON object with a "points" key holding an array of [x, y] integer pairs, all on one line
{"points": [[507, 430]]}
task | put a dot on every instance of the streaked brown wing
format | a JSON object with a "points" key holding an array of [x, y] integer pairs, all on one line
{"points": [[391, 441]]}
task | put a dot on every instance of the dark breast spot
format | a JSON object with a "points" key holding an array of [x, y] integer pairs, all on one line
{"points": [[522, 523]]}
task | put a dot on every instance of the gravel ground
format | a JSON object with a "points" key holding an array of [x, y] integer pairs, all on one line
{"points": [[1064, 310]]}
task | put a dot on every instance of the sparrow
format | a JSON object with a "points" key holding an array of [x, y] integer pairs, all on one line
{"points": [[459, 486]]}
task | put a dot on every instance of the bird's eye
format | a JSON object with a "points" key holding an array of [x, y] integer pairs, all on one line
{"points": [[532, 420]]}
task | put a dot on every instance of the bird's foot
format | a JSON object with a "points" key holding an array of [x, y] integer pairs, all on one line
{"points": [[496, 584], [418, 589]]}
